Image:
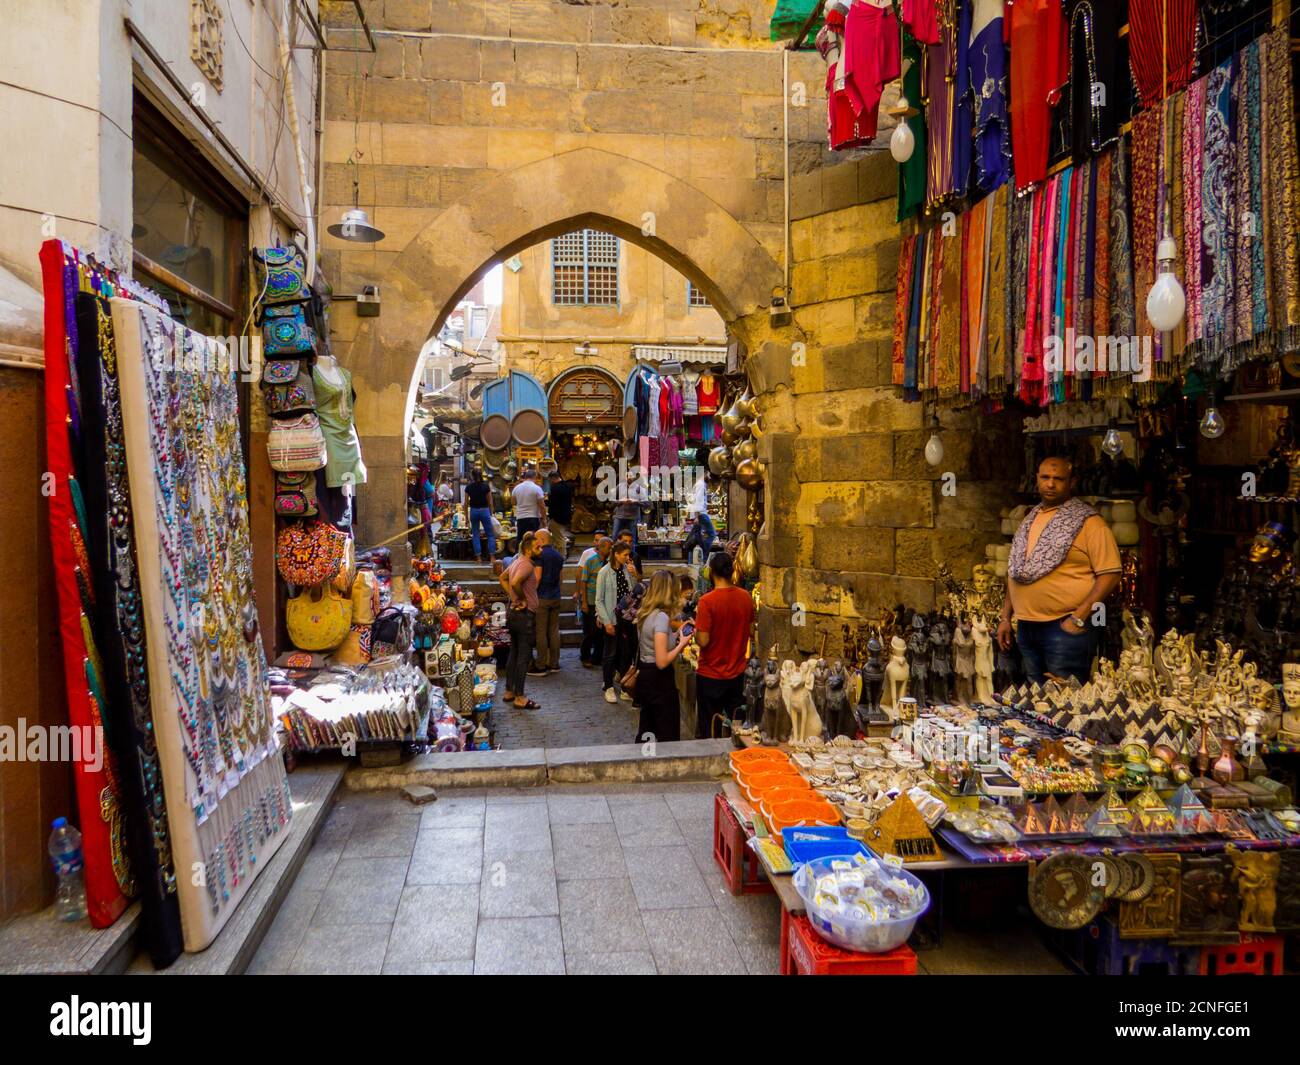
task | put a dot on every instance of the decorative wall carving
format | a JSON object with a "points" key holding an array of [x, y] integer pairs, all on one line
{"points": [[206, 20]]}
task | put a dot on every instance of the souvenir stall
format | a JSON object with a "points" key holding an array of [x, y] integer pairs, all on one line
{"points": [[672, 420], [149, 529]]}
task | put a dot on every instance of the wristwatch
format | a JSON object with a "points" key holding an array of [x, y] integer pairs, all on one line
{"points": [[1079, 623]]}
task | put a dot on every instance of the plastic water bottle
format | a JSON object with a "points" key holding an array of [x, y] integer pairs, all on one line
{"points": [[65, 851]]}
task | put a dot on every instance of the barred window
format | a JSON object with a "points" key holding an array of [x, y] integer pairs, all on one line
{"points": [[694, 297], [584, 268]]}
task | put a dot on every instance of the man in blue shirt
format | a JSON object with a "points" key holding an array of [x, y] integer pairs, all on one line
{"points": [[551, 564]]}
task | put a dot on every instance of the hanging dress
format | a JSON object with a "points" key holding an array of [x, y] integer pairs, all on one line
{"points": [[343, 465]]}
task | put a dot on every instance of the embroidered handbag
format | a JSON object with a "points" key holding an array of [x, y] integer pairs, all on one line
{"points": [[318, 618], [293, 398], [281, 371], [281, 275], [286, 331], [296, 444], [295, 495], [310, 552]]}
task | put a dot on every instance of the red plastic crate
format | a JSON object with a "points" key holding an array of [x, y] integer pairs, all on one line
{"points": [[807, 954], [740, 865], [1255, 955]]}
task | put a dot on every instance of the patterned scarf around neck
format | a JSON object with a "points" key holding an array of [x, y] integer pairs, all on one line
{"points": [[1052, 545]]}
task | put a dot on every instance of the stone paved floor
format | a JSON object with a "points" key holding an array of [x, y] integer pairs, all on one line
{"points": [[573, 711], [595, 879]]}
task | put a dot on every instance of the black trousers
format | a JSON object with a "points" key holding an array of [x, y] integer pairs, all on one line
{"points": [[593, 638], [656, 692], [527, 525], [616, 655], [521, 624], [714, 696]]}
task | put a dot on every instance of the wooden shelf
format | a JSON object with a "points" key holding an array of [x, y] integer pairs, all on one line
{"points": [[1282, 396]]}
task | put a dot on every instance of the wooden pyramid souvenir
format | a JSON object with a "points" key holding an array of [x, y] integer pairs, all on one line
{"points": [[1031, 821], [902, 831]]}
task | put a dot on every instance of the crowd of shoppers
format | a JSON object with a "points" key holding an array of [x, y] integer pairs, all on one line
{"points": [[633, 630]]}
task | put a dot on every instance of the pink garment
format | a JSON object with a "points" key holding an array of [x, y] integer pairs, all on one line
{"points": [[643, 449], [871, 59], [921, 18]]}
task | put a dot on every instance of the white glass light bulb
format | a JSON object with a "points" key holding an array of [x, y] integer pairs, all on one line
{"points": [[934, 450], [1112, 444], [1166, 302], [1212, 424], [902, 142]]}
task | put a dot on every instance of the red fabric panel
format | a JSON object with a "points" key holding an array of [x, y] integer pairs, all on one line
{"points": [[104, 899]]}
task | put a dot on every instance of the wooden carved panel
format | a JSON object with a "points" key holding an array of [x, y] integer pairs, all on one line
{"points": [[586, 397], [206, 39]]}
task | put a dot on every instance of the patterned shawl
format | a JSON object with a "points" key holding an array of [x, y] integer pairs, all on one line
{"points": [[1052, 545]]}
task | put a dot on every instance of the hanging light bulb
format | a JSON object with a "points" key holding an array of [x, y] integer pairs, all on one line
{"points": [[934, 446], [1212, 424], [1111, 442], [902, 142], [1166, 302]]}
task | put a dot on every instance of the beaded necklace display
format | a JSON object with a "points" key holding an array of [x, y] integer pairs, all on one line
{"points": [[129, 615]]}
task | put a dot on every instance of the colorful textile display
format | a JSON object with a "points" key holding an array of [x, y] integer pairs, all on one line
{"points": [[228, 797], [1040, 296], [108, 875]]}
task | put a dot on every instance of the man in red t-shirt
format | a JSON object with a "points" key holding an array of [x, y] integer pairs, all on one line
{"points": [[722, 623]]}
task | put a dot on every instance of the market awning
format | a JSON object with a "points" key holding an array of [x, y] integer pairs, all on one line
{"points": [[666, 353]]}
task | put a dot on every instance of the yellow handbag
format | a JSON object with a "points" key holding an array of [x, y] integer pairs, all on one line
{"points": [[347, 568], [318, 618]]}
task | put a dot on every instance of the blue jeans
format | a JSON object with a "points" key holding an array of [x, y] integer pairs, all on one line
{"points": [[481, 517], [708, 534], [1046, 648]]}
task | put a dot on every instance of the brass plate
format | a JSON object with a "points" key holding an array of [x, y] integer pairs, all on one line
{"points": [[1062, 894], [1119, 875], [1144, 877]]}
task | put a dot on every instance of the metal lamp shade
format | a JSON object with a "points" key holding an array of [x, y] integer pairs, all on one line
{"points": [[356, 227]]}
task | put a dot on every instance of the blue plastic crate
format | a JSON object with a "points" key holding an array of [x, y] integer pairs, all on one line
{"points": [[822, 842]]}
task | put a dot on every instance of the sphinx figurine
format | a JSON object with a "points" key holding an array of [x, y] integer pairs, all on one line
{"points": [[983, 661], [796, 693], [839, 714], [896, 674], [753, 688]]}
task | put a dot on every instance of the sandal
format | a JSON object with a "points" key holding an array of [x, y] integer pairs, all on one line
{"points": [[509, 697], [528, 704]]}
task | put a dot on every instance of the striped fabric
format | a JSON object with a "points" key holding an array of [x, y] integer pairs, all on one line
{"points": [[1147, 39]]}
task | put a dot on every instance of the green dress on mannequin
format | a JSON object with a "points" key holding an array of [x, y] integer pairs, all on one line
{"points": [[333, 386]]}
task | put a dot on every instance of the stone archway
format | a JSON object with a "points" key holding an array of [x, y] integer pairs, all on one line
{"points": [[585, 187]]}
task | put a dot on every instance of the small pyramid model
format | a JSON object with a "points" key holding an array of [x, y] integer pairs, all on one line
{"points": [[902, 831]]}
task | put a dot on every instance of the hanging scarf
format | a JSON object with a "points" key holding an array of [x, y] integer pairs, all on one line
{"points": [[1280, 196], [1146, 223], [902, 309], [1216, 212], [998, 275], [1123, 319], [1193, 155], [1052, 545], [1101, 279], [947, 341]]}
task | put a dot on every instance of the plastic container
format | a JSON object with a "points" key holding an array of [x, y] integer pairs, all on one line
{"points": [[831, 841], [755, 784], [65, 852], [865, 936], [752, 756], [815, 811], [791, 793]]}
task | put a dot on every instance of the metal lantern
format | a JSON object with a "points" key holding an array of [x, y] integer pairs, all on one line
{"points": [[719, 461], [749, 475]]}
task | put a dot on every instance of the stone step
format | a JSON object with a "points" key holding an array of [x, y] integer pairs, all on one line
{"points": [[40, 944], [538, 766]]}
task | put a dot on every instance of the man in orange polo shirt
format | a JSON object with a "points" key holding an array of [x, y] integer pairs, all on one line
{"points": [[1063, 560]]}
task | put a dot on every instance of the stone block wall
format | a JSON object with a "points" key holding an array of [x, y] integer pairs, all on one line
{"points": [[855, 518]]}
